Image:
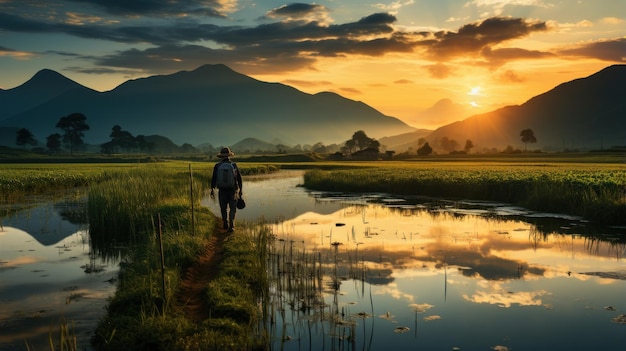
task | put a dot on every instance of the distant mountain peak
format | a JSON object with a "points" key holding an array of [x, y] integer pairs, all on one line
{"points": [[213, 67], [43, 86], [47, 77]]}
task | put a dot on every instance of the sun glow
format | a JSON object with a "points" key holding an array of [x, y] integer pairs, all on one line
{"points": [[475, 91]]}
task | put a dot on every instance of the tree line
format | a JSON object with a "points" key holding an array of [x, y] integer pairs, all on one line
{"points": [[74, 125]]}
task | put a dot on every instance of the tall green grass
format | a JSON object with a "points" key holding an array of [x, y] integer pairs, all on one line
{"points": [[136, 208], [596, 192], [18, 181]]}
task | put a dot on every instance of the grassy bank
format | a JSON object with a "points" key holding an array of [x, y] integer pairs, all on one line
{"points": [[596, 191], [20, 180], [136, 208]]}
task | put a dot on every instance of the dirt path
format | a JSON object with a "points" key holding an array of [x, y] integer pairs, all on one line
{"points": [[191, 296]]}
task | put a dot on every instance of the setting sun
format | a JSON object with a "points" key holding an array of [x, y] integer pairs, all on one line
{"points": [[475, 91]]}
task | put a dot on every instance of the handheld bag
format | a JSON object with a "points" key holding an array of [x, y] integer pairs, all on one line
{"points": [[226, 176], [241, 204]]}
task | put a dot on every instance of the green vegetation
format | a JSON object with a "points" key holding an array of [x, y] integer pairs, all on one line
{"points": [[19, 180], [134, 209], [132, 206], [594, 191]]}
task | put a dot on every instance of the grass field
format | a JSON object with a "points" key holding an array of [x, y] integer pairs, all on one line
{"points": [[592, 189]]}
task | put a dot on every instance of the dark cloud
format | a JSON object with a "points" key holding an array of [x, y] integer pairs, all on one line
{"points": [[499, 57], [474, 37], [283, 45], [296, 10], [159, 8], [13, 23], [164, 59], [607, 50]]}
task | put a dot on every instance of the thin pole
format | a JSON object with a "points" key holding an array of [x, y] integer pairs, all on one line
{"points": [[193, 221], [162, 264]]}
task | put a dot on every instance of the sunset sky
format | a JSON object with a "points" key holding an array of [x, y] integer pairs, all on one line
{"points": [[400, 57]]}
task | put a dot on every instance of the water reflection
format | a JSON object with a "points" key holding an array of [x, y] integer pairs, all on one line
{"points": [[370, 271], [48, 274]]}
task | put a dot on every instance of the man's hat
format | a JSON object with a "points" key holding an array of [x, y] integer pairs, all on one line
{"points": [[225, 153]]}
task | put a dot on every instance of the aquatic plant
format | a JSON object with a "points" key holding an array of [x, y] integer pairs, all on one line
{"points": [[597, 192]]}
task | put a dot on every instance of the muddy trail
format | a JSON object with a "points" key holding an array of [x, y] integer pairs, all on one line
{"points": [[191, 295]]}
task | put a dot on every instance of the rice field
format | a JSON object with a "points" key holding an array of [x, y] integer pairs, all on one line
{"points": [[596, 191]]}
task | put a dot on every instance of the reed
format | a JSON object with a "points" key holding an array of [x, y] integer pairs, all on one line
{"points": [[141, 315], [596, 192]]}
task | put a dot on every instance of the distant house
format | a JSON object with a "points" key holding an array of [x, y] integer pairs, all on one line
{"points": [[389, 154], [366, 154], [336, 156]]}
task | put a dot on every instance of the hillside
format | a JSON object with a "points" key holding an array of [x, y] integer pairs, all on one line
{"points": [[586, 113], [212, 104]]}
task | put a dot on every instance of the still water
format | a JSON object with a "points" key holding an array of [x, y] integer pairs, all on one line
{"points": [[373, 272], [49, 276], [367, 272]]}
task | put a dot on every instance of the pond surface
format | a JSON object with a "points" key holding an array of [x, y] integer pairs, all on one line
{"points": [[48, 276], [363, 272], [373, 271]]}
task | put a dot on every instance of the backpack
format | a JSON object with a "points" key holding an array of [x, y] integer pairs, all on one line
{"points": [[226, 177]]}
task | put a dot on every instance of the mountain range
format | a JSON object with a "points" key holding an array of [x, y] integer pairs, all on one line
{"points": [[217, 106], [211, 104]]}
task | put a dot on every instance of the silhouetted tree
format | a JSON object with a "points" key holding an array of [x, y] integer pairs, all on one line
{"points": [[425, 150], [53, 142], [360, 141], [188, 148], [25, 137], [121, 139], [73, 125], [528, 136], [448, 145], [468, 146], [319, 148], [143, 144]]}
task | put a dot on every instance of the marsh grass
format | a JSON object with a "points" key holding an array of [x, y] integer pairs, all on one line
{"points": [[594, 191], [18, 181], [300, 278], [130, 209]]}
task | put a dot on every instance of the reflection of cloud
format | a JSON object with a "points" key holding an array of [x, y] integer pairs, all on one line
{"points": [[506, 298], [19, 261], [420, 308], [393, 291], [432, 318]]}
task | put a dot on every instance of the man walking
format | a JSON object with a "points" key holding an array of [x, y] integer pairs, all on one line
{"points": [[227, 179]]}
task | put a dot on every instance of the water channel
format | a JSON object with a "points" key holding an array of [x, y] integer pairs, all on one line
{"points": [[372, 271], [358, 272]]}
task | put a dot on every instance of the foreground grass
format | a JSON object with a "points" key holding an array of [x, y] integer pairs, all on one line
{"points": [[596, 191], [132, 209]]}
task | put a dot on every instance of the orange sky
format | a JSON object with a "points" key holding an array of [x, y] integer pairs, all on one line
{"points": [[400, 57]]}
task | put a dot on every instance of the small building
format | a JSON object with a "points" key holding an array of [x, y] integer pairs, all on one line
{"points": [[366, 154]]}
